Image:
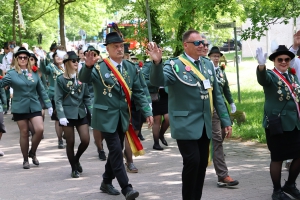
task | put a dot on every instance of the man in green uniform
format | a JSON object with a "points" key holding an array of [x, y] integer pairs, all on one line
{"points": [[110, 109], [193, 92]]}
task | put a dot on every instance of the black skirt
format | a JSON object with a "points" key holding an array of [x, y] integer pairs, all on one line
{"points": [[77, 122], [22, 116], [161, 107], [284, 146]]}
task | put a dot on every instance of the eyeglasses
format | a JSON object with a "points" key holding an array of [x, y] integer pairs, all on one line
{"points": [[206, 45], [31, 59], [75, 60], [280, 60], [22, 57], [198, 42]]}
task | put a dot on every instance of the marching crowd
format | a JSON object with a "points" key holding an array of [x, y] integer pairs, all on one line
{"points": [[115, 96]]}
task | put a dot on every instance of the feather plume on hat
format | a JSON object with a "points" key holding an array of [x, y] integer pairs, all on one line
{"points": [[116, 28], [274, 46]]}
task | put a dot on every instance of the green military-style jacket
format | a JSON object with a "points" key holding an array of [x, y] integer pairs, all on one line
{"points": [[223, 84], [3, 103], [48, 59], [52, 71], [277, 98], [144, 85], [71, 99], [188, 102], [27, 90], [146, 72], [110, 105], [1, 57]]}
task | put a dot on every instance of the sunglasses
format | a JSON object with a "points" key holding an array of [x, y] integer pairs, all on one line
{"points": [[31, 59], [198, 42], [22, 57], [75, 60], [206, 45], [280, 60]]}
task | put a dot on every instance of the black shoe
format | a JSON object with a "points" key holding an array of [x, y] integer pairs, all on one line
{"points": [[75, 174], [141, 137], [291, 190], [78, 167], [34, 159], [5, 112], [26, 165], [157, 147], [61, 144], [102, 155], [109, 189], [280, 195], [163, 140], [131, 195]]}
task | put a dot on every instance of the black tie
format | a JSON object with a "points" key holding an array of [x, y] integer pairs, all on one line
{"points": [[197, 63], [286, 77], [119, 68]]}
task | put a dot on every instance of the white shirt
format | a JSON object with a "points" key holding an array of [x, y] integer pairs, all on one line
{"points": [[295, 63], [116, 64], [7, 59]]}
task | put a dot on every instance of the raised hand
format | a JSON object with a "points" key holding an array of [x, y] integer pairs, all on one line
{"points": [[154, 52], [261, 57], [90, 60], [296, 40]]}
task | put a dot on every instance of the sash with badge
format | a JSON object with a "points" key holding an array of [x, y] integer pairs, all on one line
{"points": [[189, 66], [135, 144]]}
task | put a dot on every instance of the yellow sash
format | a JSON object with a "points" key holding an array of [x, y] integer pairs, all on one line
{"points": [[187, 62]]}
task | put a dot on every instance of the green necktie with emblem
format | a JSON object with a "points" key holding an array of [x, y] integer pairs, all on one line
{"points": [[119, 69], [287, 77]]}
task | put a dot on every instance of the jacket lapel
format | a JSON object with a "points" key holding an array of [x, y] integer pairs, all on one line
{"points": [[22, 76]]}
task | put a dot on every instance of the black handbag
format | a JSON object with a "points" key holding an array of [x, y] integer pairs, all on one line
{"points": [[274, 123]]}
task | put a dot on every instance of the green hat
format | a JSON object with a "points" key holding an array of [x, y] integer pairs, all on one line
{"points": [[113, 37], [91, 48], [22, 50], [71, 55], [215, 50]]}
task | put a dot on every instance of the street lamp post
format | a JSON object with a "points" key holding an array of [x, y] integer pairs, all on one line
{"points": [[149, 21]]}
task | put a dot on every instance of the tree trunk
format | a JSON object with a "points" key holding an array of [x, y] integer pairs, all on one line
{"points": [[180, 30], [14, 20], [62, 23]]}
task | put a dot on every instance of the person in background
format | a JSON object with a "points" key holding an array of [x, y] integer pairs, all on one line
{"points": [[218, 133], [27, 88], [96, 133], [2, 108], [282, 93], [72, 99], [53, 70]]}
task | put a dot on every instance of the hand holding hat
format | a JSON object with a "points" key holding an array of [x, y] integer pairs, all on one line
{"points": [[261, 57]]}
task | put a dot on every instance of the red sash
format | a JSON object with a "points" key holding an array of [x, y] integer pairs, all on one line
{"points": [[290, 87], [134, 142]]}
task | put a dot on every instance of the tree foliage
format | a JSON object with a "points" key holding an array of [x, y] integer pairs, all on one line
{"points": [[264, 13]]}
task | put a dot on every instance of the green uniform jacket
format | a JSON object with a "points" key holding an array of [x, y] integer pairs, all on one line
{"points": [[108, 110], [1, 57], [26, 92], [144, 85], [48, 59], [68, 105], [223, 84], [273, 105], [3, 105], [52, 71], [146, 71], [189, 111]]}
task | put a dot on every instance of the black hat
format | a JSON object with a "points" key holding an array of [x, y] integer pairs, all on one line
{"points": [[22, 50], [33, 55], [5, 45], [70, 56], [215, 49], [113, 37], [53, 46], [281, 50], [132, 56], [91, 48], [126, 47]]}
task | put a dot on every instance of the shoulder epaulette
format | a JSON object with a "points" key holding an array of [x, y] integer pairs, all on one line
{"points": [[206, 58]]}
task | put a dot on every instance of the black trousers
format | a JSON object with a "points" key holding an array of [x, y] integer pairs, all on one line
{"points": [[195, 160], [114, 167]]}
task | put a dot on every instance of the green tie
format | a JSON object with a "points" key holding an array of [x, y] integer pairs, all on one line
{"points": [[197, 63], [119, 68]]}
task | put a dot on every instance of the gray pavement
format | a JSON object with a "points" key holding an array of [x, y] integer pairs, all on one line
{"points": [[159, 174]]}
